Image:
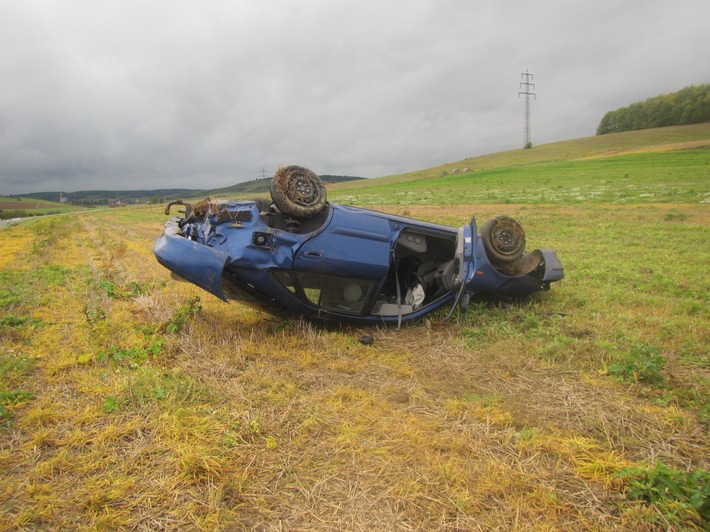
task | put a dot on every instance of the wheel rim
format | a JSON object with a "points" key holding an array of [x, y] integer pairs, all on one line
{"points": [[505, 239], [302, 190]]}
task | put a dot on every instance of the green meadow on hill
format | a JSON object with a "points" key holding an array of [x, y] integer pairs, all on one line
{"points": [[131, 401]]}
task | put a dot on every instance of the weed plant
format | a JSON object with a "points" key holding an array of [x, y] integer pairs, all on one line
{"points": [[682, 496]]}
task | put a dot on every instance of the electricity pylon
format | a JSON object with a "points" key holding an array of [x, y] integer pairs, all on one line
{"points": [[527, 86]]}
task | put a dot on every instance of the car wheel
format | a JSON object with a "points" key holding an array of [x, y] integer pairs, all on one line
{"points": [[503, 239], [298, 192]]}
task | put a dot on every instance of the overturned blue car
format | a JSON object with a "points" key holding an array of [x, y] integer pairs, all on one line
{"points": [[301, 255]]}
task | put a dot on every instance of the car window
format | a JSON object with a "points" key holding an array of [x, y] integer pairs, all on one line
{"points": [[285, 279], [312, 285], [341, 294]]}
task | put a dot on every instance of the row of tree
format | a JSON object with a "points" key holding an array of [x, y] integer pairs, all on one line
{"points": [[690, 105]]}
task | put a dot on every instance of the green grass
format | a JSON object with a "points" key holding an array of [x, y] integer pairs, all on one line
{"points": [[683, 496], [129, 400], [664, 177]]}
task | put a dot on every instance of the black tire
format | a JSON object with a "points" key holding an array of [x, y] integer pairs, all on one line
{"points": [[503, 239], [298, 192]]}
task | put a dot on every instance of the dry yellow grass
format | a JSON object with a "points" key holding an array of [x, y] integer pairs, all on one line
{"points": [[239, 421], [16, 242]]}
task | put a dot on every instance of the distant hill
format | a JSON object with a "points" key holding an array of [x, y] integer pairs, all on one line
{"points": [[107, 197], [261, 186]]}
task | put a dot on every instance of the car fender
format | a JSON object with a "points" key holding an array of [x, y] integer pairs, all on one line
{"points": [[196, 263]]}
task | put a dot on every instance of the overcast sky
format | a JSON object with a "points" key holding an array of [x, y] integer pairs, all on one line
{"points": [[126, 94]]}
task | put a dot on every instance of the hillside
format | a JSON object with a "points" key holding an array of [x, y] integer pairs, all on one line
{"points": [[108, 197], [660, 139], [17, 207], [695, 136], [262, 186]]}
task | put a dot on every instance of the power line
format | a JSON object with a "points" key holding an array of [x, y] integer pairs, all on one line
{"points": [[527, 86]]}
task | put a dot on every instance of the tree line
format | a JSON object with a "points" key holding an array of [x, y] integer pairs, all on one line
{"points": [[690, 105]]}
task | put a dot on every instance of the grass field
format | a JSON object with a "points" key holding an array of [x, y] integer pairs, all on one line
{"points": [[130, 401], [12, 207], [632, 178]]}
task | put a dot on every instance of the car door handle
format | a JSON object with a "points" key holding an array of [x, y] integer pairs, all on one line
{"points": [[310, 254]]}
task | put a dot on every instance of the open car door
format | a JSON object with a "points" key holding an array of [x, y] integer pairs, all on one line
{"points": [[464, 266]]}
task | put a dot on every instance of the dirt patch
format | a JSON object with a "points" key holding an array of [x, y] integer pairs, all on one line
{"points": [[694, 145], [19, 205]]}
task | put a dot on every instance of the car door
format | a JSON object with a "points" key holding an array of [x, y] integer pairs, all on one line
{"points": [[355, 244]]}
